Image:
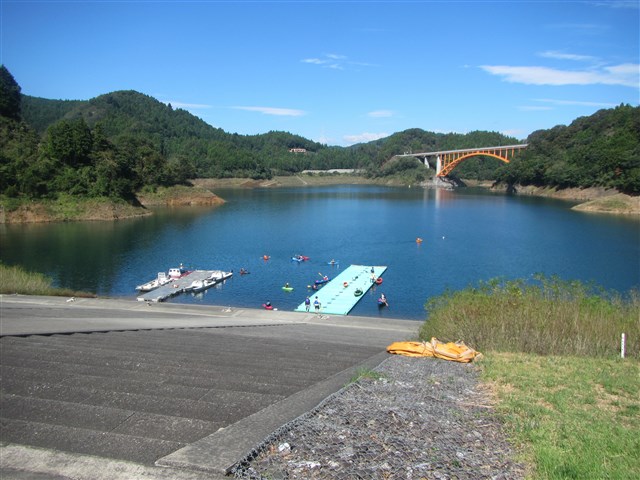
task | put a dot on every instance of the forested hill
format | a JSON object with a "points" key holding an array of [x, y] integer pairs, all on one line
{"points": [[601, 150], [122, 142], [211, 152]]}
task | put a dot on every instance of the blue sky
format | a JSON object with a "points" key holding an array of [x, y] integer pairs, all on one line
{"points": [[337, 72]]}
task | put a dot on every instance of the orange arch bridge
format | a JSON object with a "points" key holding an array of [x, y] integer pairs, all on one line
{"points": [[447, 160]]}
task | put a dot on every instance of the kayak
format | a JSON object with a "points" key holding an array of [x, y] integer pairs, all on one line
{"points": [[267, 307], [320, 282], [334, 262], [287, 289], [382, 303], [299, 258]]}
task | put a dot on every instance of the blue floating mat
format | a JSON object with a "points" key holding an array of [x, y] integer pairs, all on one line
{"points": [[338, 299]]}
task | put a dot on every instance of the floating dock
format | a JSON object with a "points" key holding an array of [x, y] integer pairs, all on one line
{"points": [[181, 285], [336, 298]]}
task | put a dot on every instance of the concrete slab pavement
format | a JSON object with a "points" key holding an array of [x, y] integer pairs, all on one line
{"points": [[202, 384]]}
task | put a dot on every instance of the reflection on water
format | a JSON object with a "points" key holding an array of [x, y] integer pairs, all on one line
{"points": [[467, 236]]}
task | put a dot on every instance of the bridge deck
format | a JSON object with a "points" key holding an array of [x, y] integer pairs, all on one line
{"points": [[339, 300], [466, 150]]}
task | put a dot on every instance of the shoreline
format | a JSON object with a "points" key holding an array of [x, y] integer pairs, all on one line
{"points": [[592, 200]]}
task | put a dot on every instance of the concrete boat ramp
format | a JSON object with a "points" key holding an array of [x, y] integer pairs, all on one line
{"points": [[338, 296], [114, 389], [182, 284]]}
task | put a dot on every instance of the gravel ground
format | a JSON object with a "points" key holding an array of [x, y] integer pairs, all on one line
{"points": [[423, 418]]}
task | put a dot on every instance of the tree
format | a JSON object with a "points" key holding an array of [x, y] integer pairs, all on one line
{"points": [[69, 141], [9, 95]]}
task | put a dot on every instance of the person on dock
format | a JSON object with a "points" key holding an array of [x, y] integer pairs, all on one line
{"points": [[307, 303], [316, 304]]}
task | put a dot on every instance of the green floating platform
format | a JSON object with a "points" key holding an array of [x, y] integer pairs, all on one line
{"points": [[338, 299]]}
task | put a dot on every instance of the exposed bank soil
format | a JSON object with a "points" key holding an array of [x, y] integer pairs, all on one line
{"points": [[619, 204], [593, 199], [423, 418], [180, 196], [89, 210], [103, 210], [302, 180]]}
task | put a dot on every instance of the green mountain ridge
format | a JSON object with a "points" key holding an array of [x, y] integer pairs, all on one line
{"points": [[120, 142], [177, 132]]}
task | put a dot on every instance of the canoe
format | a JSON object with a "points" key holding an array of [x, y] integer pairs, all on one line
{"points": [[320, 282]]}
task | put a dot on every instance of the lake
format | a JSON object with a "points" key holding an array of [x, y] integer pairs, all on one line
{"points": [[468, 235]]}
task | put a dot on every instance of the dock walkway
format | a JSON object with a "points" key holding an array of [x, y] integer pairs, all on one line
{"points": [[338, 299], [176, 286]]}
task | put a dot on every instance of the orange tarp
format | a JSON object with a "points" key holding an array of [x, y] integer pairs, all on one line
{"points": [[458, 351]]}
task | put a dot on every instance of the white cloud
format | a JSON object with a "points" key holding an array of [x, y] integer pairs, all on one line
{"points": [[575, 102], [566, 56], [631, 4], [289, 112], [187, 105], [380, 113], [517, 133], [315, 61], [364, 137], [533, 108], [626, 74], [335, 61]]}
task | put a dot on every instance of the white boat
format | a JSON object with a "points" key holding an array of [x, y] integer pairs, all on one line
{"points": [[177, 272], [198, 286], [217, 276], [220, 276], [160, 280]]}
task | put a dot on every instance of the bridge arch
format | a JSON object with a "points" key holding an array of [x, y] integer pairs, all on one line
{"points": [[447, 160], [448, 165]]}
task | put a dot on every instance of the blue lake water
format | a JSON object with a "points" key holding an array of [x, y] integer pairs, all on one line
{"points": [[467, 236]]}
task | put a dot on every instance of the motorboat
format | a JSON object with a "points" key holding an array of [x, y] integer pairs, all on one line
{"points": [[160, 280], [198, 286]]}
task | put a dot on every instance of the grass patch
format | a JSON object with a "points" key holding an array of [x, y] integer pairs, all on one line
{"points": [[547, 317], [551, 355], [572, 417], [14, 279]]}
